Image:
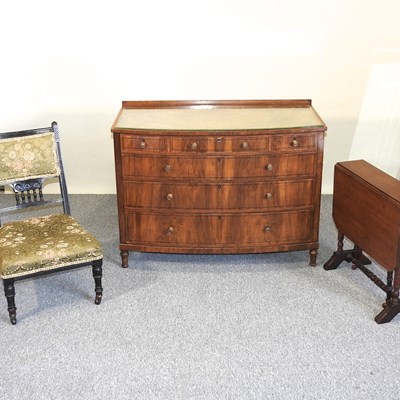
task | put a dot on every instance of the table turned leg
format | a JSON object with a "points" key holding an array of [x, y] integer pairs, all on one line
{"points": [[341, 255], [392, 306], [338, 256], [389, 286]]}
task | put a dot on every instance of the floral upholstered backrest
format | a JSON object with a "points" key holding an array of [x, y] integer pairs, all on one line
{"points": [[28, 157]]}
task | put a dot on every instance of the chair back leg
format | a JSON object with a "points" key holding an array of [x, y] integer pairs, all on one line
{"points": [[9, 291]]}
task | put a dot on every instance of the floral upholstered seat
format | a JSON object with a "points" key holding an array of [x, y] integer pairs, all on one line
{"points": [[44, 243], [40, 244]]}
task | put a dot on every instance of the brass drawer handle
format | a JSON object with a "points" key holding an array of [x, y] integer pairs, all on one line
{"points": [[167, 168], [268, 196], [295, 143], [170, 230], [142, 144], [194, 146], [267, 228], [244, 145], [269, 167], [170, 196]]}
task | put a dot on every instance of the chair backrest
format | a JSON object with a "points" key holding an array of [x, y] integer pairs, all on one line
{"points": [[27, 159]]}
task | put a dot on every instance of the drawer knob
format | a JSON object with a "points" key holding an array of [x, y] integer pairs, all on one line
{"points": [[269, 167], [170, 229], [170, 196], [268, 196], [194, 146], [219, 140], [142, 144], [267, 228], [167, 168], [295, 143], [245, 145]]}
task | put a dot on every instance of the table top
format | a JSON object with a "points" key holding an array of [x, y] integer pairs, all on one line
{"points": [[375, 177]]}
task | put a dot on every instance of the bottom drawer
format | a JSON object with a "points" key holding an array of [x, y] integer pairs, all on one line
{"points": [[149, 228], [219, 229]]}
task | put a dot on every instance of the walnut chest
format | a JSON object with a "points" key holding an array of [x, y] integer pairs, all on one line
{"points": [[218, 176]]}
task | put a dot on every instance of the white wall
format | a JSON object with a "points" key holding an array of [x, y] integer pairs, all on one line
{"points": [[377, 136], [75, 61]]}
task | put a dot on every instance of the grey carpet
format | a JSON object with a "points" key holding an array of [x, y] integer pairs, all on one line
{"points": [[263, 326]]}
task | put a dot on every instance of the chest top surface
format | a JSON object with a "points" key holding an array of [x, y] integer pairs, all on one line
{"points": [[217, 115]]}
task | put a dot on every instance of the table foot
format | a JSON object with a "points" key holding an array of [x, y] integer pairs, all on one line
{"points": [[389, 311]]}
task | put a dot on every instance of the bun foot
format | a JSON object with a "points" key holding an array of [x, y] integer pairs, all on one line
{"points": [[124, 258], [13, 319], [98, 298]]}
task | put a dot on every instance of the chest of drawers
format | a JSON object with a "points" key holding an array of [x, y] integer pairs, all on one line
{"points": [[218, 177]]}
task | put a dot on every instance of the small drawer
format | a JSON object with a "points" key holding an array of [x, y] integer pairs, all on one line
{"points": [[166, 167], [294, 142], [191, 144], [142, 143], [285, 165], [267, 195], [171, 229], [268, 228], [176, 196], [246, 144]]}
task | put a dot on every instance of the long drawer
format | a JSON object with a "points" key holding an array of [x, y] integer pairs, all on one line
{"points": [[224, 196], [144, 228], [167, 167]]}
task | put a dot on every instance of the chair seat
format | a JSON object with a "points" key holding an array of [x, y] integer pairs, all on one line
{"points": [[44, 243]]}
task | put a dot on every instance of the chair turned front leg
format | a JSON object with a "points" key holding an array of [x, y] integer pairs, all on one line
{"points": [[9, 291], [97, 275]]}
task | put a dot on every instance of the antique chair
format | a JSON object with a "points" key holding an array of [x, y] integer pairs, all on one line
{"points": [[40, 244]]}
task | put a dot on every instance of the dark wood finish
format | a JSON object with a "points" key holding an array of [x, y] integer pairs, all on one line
{"points": [[9, 291], [218, 191], [366, 210], [97, 275]]}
